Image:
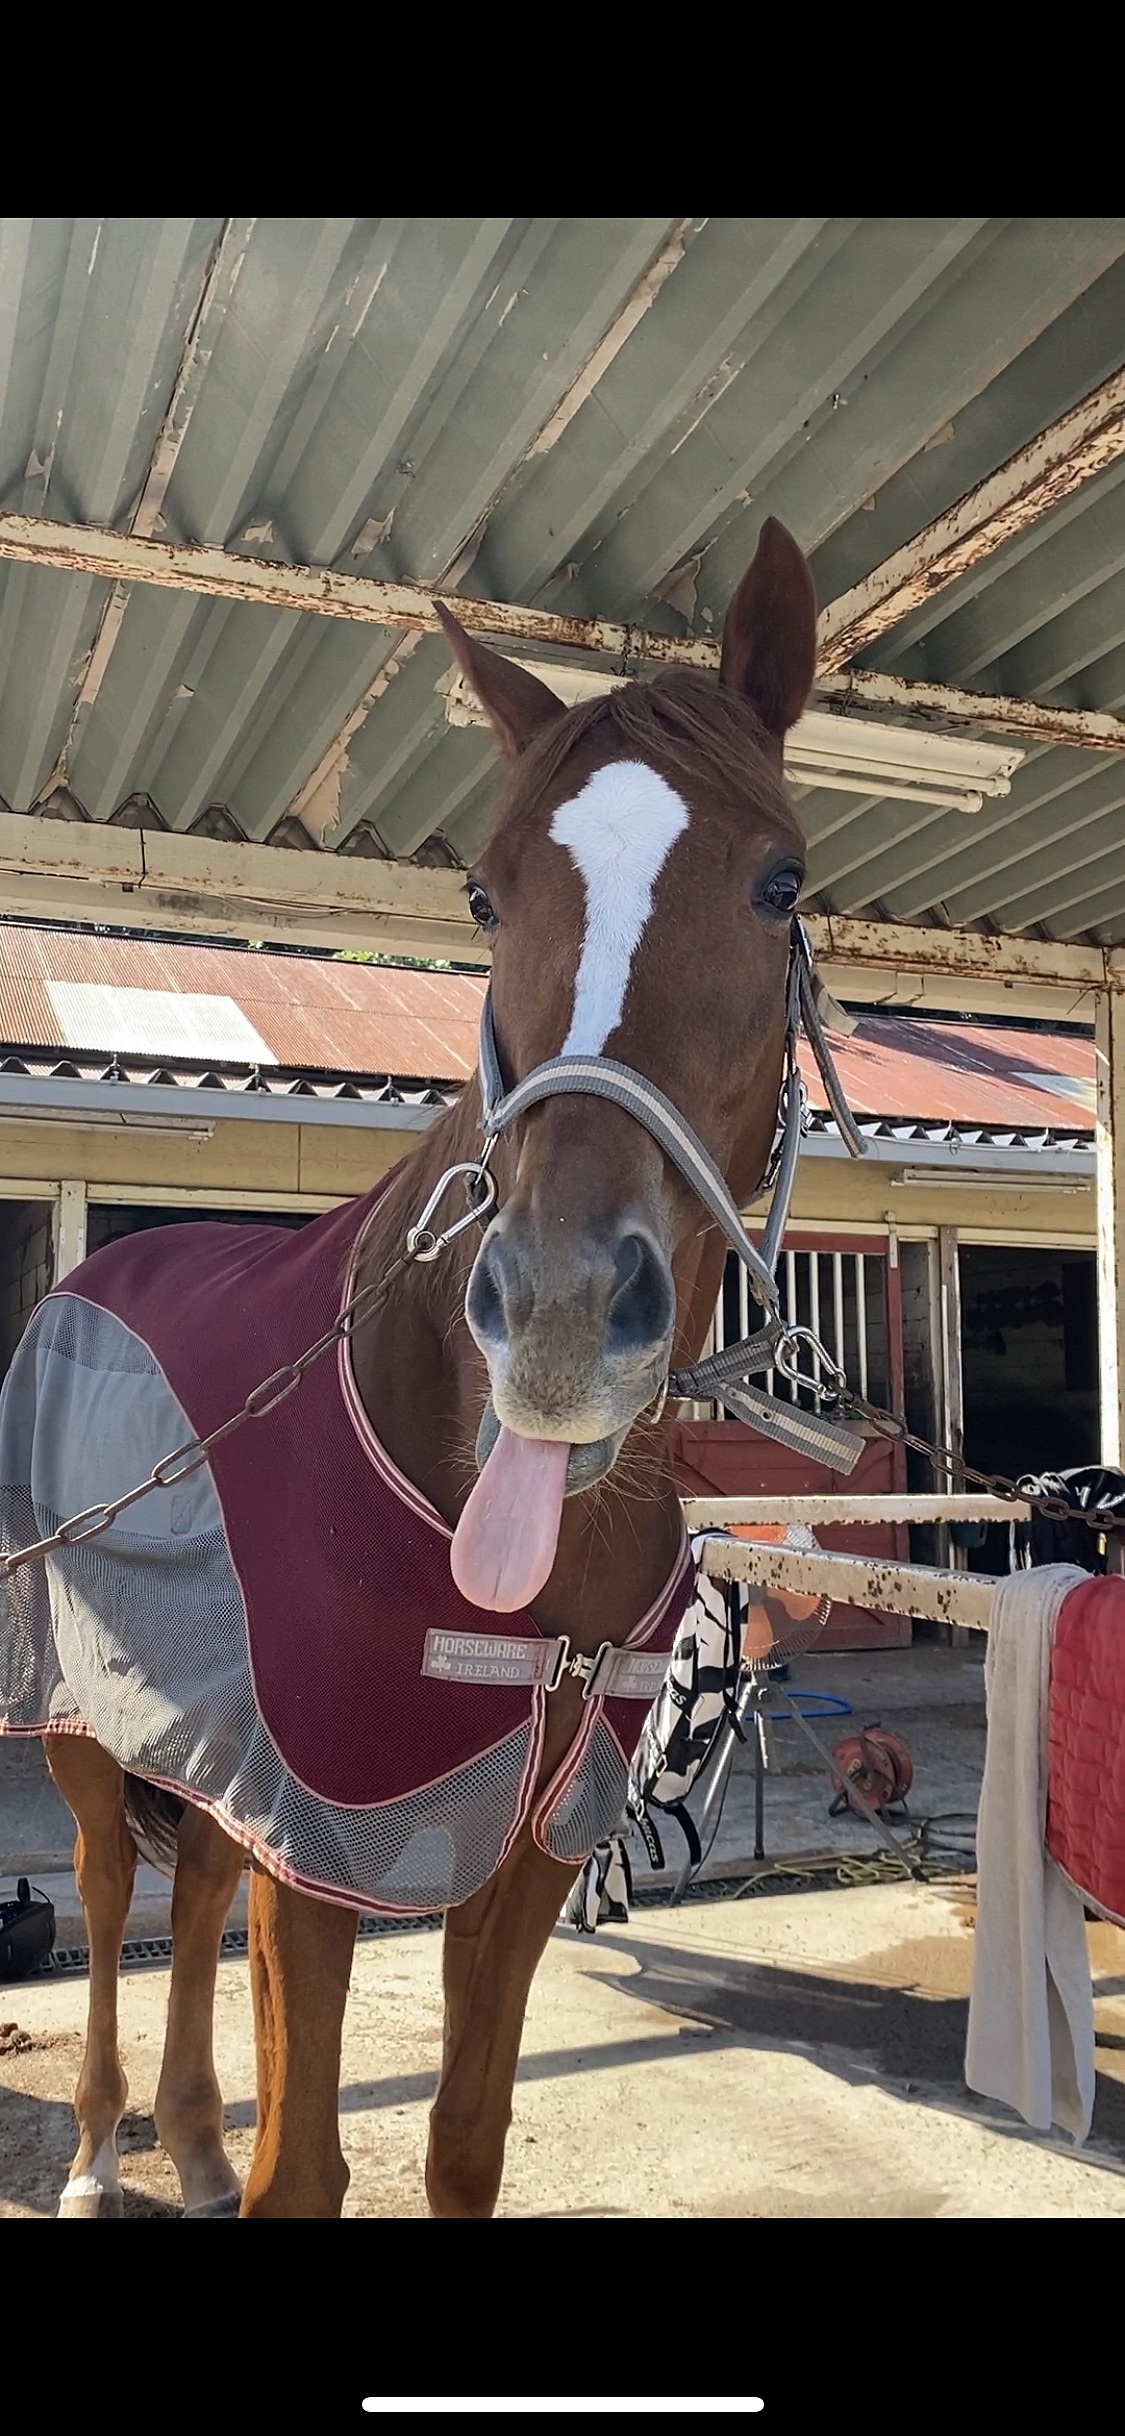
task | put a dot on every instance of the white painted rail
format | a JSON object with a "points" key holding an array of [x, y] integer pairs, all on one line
{"points": [[702, 1513], [860, 1581]]}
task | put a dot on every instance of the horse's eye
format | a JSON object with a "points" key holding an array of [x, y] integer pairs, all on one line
{"points": [[480, 907], [780, 893]]}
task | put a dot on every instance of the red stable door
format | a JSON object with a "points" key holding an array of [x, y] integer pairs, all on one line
{"points": [[847, 1289]]}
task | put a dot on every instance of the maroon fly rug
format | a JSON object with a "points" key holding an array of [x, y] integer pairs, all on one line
{"points": [[279, 1638]]}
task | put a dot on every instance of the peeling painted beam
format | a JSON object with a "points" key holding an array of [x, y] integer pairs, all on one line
{"points": [[155, 879], [228, 575], [218, 574], [159, 879], [952, 706], [909, 947], [718, 1513], [861, 1581], [1024, 489]]}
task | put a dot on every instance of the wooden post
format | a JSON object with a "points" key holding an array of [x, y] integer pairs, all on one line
{"points": [[1110, 1158], [70, 1228], [952, 1431]]}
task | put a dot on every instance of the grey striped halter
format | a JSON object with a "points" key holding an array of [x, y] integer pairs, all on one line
{"points": [[779, 1342]]}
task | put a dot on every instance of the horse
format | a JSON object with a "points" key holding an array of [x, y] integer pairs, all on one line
{"points": [[638, 895]]}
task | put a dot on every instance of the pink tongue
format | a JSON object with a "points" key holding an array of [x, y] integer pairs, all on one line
{"points": [[504, 1545]]}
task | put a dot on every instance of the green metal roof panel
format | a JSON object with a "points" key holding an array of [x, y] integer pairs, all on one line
{"points": [[587, 414]]}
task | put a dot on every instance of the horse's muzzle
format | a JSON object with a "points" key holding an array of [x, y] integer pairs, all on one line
{"points": [[576, 1332]]}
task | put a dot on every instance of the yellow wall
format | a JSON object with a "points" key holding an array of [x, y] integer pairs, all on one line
{"points": [[252, 1158], [349, 1161], [836, 1191], [335, 1162]]}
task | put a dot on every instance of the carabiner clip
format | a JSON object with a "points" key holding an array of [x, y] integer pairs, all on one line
{"points": [[421, 1242], [787, 1357]]}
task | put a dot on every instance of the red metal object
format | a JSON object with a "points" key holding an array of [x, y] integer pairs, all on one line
{"points": [[873, 1762]]}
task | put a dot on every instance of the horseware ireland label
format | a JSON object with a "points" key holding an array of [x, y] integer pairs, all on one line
{"points": [[470, 1657]]}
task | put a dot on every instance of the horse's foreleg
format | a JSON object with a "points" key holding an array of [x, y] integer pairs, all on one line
{"points": [[105, 1860], [492, 1946], [300, 1963], [189, 2106]]}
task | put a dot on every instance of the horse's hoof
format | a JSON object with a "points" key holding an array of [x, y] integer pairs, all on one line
{"points": [[91, 2203], [228, 2205]]}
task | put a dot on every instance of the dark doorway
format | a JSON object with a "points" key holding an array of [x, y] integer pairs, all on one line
{"points": [[1029, 1352]]}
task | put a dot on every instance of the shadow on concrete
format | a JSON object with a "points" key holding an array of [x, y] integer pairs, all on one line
{"points": [[910, 2041]]}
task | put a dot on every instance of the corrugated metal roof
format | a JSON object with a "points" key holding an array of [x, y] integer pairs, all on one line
{"points": [[373, 1021], [592, 414], [968, 1074], [322, 1015]]}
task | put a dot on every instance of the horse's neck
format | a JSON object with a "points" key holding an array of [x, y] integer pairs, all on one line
{"points": [[424, 1385], [416, 1368]]}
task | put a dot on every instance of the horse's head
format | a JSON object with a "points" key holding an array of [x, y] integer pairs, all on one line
{"points": [[638, 892]]}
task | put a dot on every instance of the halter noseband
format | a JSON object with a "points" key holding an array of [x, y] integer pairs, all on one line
{"points": [[778, 1343]]}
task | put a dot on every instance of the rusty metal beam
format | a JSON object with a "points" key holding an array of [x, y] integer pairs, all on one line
{"points": [[861, 1581], [1082, 443], [845, 941], [227, 575], [953, 706], [157, 878], [719, 1513]]}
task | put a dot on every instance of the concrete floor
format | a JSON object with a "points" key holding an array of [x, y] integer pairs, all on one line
{"points": [[800, 2056], [797, 2056]]}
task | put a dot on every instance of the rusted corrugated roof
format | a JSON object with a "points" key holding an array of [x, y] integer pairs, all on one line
{"points": [[319, 1015], [968, 1074], [321, 1018]]}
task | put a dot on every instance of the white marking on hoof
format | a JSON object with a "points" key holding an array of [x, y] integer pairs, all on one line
{"points": [[228, 2205], [90, 2203], [97, 2192]]}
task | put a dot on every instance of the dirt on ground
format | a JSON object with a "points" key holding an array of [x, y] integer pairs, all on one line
{"points": [[800, 2055]]}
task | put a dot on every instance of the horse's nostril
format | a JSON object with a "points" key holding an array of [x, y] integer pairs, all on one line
{"points": [[484, 1303], [626, 1263], [641, 1302]]}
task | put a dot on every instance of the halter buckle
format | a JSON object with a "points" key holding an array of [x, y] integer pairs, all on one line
{"points": [[588, 1671]]}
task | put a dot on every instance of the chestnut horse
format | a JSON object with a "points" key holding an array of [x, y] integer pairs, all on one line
{"points": [[637, 893]]}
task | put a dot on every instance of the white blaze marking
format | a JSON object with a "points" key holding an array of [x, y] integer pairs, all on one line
{"points": [[619, 831]]}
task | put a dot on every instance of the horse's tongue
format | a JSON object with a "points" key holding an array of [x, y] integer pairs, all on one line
{"points": [[504, 1545]]}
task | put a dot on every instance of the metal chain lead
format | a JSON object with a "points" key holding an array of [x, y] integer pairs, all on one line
{"points": [[997, 1484], [422, 1245]]}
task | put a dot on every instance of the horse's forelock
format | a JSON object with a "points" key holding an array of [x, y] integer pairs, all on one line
{"points": [[685, 724]]}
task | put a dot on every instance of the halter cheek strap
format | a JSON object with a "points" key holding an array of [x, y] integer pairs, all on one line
{"points": [[807, 1005]]}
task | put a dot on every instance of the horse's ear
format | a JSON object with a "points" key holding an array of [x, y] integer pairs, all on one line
{"points": [[516, 703], [769, 638]]}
